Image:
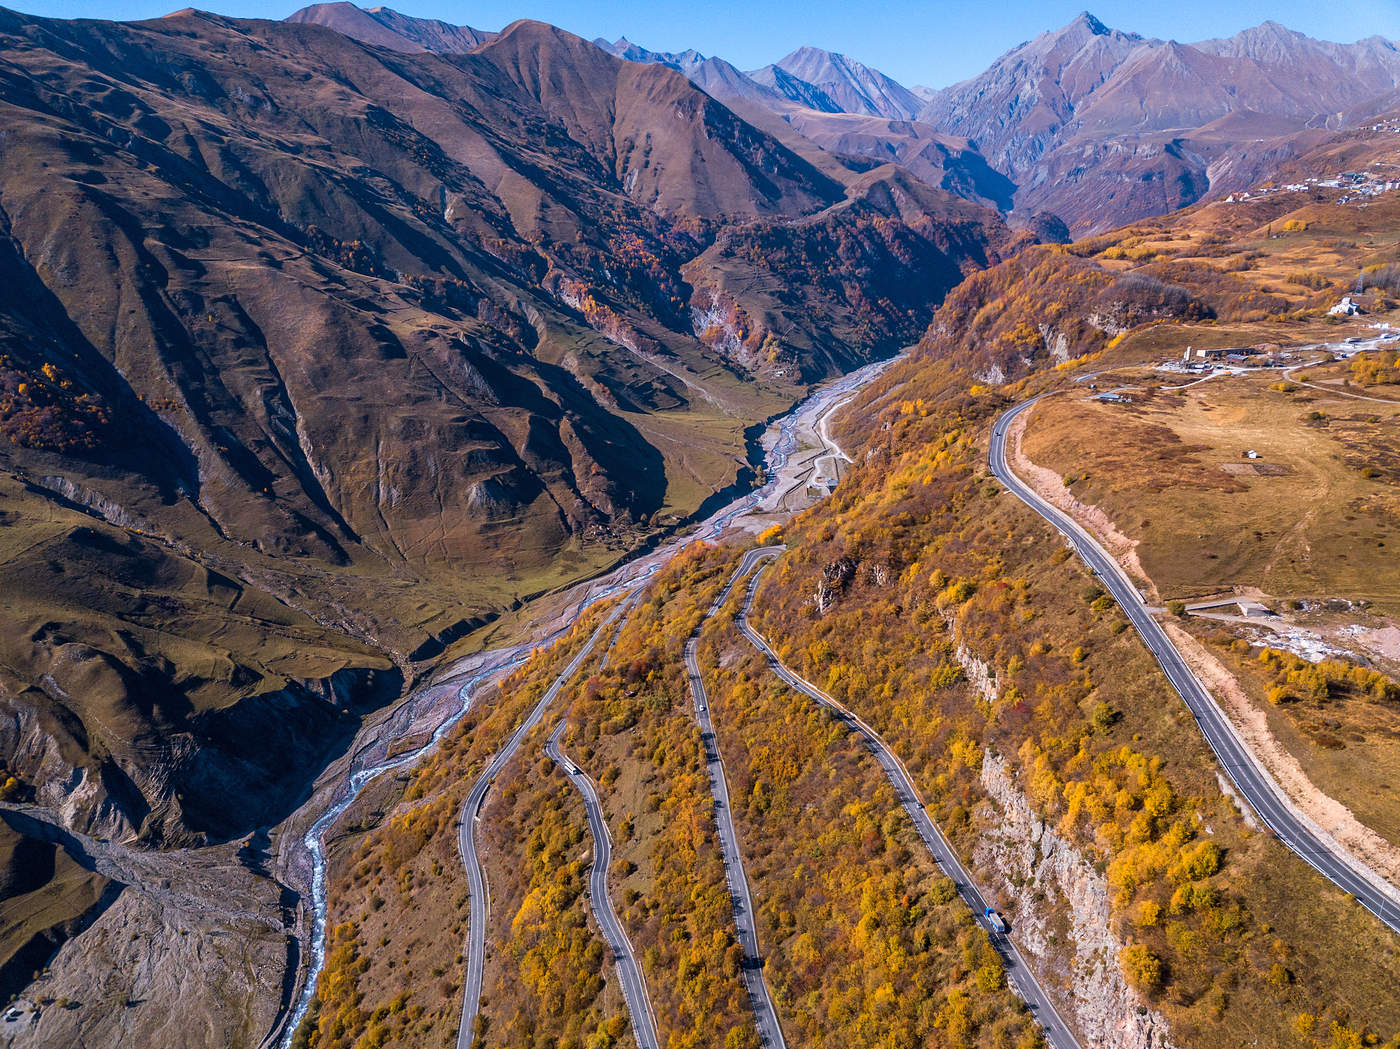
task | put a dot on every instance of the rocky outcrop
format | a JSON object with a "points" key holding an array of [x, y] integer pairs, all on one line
{"points": [[833, 581], [977, 671], [38, 749], [1052, 887], [1057, 343]]}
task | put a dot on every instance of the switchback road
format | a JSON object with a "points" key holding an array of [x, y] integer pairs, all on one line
{"points": [[1018, 973], [342, 783], [466, 834], [629, 974], [1267, 798], [770, 1032]]}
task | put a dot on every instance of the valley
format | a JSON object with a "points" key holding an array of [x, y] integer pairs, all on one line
{"points": [[509, 540]]}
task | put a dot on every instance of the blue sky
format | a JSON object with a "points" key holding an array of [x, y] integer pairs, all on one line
{"points": [[933, 42]]}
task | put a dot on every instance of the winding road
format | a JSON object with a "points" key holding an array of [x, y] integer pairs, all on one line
{"points": [[1291, 374], [466, 833], [1018, 973], [834, 454], [629, 974], [341, 784], [770, 1032], [1261, 790]]}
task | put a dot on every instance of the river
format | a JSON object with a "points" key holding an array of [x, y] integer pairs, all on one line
{"points": [[454, 691]]}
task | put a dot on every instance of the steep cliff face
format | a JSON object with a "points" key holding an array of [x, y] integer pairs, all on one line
{"points": [[1059, 906], [1054, 887]]}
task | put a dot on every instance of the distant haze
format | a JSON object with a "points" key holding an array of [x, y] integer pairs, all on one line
{"points": [[933, 44]]}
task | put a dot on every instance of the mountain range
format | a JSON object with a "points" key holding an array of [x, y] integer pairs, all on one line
{"points": [[1094, 125], [330, 344], [379, 343], [359, 303]]}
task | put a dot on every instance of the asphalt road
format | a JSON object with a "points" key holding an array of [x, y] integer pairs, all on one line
{"points": [[770, 1032], [1018, 973], [629, 974], [1256, 785], [491, 664], [466, 835]]}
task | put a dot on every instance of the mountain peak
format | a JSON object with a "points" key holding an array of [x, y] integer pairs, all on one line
{"points": [[385, 27], [1270, 42], [683, 61], [1092, 24], [1084, 32], [808, 53], [853, 86], [1084, 29], [1272, 30]]}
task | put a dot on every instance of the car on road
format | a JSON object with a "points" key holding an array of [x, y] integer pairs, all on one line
{"points": [[995, 920]]}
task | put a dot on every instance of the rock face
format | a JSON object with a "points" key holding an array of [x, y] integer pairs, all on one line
{"points": [[1055, 889], [1064, 117], [833, 582], [1043, 874], [851, 85]]}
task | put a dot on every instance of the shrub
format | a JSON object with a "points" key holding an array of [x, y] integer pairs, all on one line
{"points": [[1199, 861], [1308, 279], [1103, 718], [991, 977], [1143, 969]]}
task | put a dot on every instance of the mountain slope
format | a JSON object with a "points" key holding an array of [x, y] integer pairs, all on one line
{"points": [[387, 28], [1103, 127], [851, 85], [793, 90], [806, 114], [1016, 108], [386, 341], [940, 160], [1040, 731]]}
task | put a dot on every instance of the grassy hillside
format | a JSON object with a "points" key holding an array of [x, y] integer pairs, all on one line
{"points": [[1052, 750], [946, 580], [321, 357]]}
